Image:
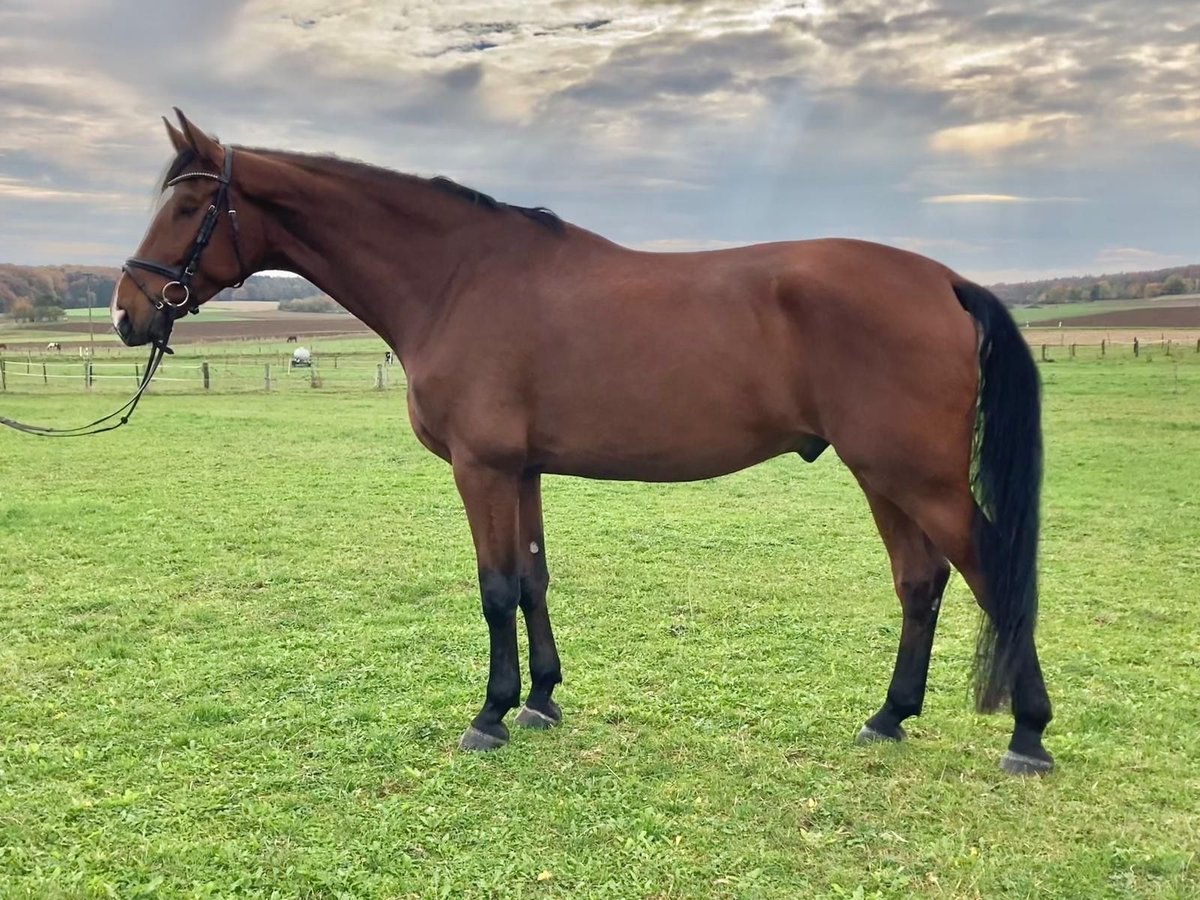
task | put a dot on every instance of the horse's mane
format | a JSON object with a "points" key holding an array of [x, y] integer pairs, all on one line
{"points": [[321, 162]]}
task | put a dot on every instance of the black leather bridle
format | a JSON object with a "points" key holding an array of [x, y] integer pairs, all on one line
{"points": [[182, 276]]}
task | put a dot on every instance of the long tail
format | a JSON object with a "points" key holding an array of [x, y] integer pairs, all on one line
{"points": [[1006, 478]]}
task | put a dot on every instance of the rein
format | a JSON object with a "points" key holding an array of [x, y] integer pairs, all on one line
{"points": [[156, 354], [182, 276]]}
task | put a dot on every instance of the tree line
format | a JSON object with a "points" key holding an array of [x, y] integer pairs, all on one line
{"points": [[42, 293], [1121, 286]]}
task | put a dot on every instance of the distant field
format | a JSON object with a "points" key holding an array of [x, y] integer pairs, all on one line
{"points": [[255, 306], [1066, 312], [209, 326], [101, 320]]}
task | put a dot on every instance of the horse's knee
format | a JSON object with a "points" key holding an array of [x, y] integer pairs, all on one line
{"points": [[500, 594]]}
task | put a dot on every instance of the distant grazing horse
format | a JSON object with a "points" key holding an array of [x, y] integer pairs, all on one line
{"points": [[3, 346], [54, 345], [534, 347], [292, 339]]}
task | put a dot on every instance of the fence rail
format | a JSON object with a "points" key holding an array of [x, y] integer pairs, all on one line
{"points": [[29, 373], [349, 372]]}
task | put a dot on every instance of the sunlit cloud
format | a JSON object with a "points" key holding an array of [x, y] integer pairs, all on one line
{"points": [[995, 198]]}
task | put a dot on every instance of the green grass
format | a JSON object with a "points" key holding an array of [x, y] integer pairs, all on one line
{"points": [[1067, 311], [239, 640]]}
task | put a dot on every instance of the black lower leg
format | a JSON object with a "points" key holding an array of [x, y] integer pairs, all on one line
{"points": [[906, 693], [1032, 713], [500, 595], [545, 671]]}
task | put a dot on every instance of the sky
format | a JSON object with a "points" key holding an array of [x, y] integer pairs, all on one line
{"points": [[1009, 141]]}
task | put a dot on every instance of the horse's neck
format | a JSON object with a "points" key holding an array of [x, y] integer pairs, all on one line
{"points": [[382, 248]]}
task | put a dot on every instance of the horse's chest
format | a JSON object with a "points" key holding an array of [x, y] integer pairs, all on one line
{"points": [[426, 424]]}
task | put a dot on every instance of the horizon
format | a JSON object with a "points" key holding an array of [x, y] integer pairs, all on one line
{"points": [[1019, 145]]}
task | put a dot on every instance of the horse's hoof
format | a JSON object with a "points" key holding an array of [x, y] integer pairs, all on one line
{"points": [[1020, 764], [869, 735], [476, 741], [533, 718]]}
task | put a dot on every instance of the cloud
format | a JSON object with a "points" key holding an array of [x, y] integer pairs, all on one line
{"points": [[996, 198], [990, 138], [968, 128], [1135, 258]]}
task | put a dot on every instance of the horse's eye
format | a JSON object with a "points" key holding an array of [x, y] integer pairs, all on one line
{"points": [[184, 211]]}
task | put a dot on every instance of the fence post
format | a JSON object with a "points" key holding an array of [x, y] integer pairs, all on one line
{"points": [[1072, 351], [87, 374], [267, 377], [137, 373], [45, 377], [3, 377], [1102, 348], [1044, 357], [379, 377], [1135, 347], [1168, 347], [204, 374]]}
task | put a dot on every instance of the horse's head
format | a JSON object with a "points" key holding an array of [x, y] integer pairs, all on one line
{"points": [[195, 245]]}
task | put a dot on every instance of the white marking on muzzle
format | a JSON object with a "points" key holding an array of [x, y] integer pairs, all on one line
{"points": [[115, 311]]}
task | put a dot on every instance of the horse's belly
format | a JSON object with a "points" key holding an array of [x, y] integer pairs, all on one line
{"points": [[664, 460]]}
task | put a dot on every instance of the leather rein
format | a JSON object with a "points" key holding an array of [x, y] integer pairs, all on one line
{"points": [[180, 276]]}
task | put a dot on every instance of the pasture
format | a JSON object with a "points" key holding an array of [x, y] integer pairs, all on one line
{"points": [[242, 636]]}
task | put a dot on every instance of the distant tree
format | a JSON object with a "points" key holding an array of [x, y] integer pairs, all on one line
{"points": [[22, 310], [319, 304], [1176, 284]]}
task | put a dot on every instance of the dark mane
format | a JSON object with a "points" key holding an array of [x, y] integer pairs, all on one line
{"points": [[539, 214]]}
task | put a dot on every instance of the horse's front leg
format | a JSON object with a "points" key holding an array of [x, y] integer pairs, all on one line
{"points": [[491, 499], [539, 711]]}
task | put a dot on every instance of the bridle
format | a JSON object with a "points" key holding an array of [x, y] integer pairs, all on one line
{"points": [[178, 275], [182, 275]]}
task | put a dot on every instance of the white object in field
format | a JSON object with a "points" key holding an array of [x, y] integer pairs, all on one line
{"points": [[301, 357]]}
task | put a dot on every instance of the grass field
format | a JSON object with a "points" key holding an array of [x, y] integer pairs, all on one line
{"points": [[241, 638], [1064, 312]]}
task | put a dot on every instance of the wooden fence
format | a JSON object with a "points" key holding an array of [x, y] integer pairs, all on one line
{"points": [[364, 372], [28, 373]]}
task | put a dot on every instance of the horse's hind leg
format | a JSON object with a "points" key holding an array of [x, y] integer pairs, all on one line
{"points": [[919, 572], [545, 672], [950, 518]]}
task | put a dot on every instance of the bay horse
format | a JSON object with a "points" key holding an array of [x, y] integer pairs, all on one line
{"points": [[534, 347]]}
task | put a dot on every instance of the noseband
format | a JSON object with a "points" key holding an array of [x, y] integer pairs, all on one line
{"points": [[183, 275]]}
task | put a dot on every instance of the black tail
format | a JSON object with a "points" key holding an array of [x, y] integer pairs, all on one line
{"points": [[1006, 478]]}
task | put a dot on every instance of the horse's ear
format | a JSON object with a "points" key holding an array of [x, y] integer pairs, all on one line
{"points": [[207, 148], [178, 141]]}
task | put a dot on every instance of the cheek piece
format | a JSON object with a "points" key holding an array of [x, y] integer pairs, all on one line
{"points": [[176, 298]]}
